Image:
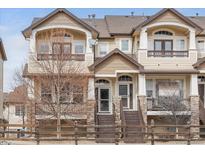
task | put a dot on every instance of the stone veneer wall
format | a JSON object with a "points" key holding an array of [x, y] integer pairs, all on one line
{"points": [[91, 116], [194, 101]]}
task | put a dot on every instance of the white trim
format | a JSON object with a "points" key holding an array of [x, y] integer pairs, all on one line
{"points": [[168, 113], [116, 72], [168, 23]]}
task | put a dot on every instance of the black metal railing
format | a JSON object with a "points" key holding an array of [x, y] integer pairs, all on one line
{"points": [[172, 53]]}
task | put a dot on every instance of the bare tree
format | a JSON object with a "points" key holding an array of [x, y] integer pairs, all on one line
{"points": [[171, 101], [62, 79]]}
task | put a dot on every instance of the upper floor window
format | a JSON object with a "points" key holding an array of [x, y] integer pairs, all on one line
{"points": [[43, 47], [201, 45], [103, 49], [181, 44], [163, 32], [19, 110], [62, 48], [79, 47], [125, 45]]}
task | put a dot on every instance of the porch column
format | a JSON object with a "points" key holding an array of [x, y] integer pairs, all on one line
{"points": [[91, 105], [192, 39], [143, 39], [142, 96], [194, 104], [143, 45]]}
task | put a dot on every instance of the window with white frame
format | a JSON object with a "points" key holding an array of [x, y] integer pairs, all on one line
{"points": [[79, 47], [181, 44], [149, 88], [103, 49], [200, 45], [43, 47], [124, 45], [19, 110]]}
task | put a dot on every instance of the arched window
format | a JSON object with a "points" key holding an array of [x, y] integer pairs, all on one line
{"points": [[102, 81], [125, 78], [163, 32]]}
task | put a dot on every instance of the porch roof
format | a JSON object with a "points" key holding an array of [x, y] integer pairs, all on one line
{"points": [[113, 52]]}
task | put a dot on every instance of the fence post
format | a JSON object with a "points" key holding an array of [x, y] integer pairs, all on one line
{"points": [[116, 135], [76, 132], [152, 132], [189, 136], [37, 133], [152, 135]]}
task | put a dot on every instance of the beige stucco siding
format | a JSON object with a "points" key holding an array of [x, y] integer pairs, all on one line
{"points": [[168, 17], [60, 19], [116, 62]]}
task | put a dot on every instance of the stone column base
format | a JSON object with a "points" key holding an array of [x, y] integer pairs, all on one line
{"points": [[91, 117], [194, 104]]}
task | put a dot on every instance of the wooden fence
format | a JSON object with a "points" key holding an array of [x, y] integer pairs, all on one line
{"points": [[76, 133]]}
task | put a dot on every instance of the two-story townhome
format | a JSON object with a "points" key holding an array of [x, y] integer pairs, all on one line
{"points": [[2, 59], [132, 63]]}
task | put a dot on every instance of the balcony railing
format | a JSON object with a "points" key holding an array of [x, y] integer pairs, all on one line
{"points": [[77, 57], [164, 104], [172, 53]]}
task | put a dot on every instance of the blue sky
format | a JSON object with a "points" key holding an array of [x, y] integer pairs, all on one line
{"points": [[13, 21]]}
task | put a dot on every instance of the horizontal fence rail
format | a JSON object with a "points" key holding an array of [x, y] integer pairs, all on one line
{"points": [[77, 133]]}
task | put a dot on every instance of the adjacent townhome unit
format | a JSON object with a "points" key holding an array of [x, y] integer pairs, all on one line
{"points": [[117, 69], [15, 110], [2, 59]]}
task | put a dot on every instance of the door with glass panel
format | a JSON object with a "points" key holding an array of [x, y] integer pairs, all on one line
{"points": [[103, 99], [125, 92]]}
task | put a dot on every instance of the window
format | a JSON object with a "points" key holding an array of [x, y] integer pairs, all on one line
{"points": [[149, 88], [163, 45], [163, 32], [43, 47], [62, 48], [181, 44], [79, 47], [77, 94], [124, 45], [46, 93], [124, 78], [103, 49], [102, 81], [200, 45], [71, 94], [19, 110]]}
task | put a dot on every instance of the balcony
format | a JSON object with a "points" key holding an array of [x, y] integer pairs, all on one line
{"points": [[172, 53], [45, 56]]}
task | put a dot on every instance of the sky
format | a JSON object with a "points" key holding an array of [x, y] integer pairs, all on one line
{"points": [[14, 21]]}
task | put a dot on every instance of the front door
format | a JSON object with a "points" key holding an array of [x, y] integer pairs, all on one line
{"points": [[125, 91], [103, 101]]}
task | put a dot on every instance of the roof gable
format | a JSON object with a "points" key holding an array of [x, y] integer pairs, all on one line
{"points": [[178, 18], [112, 53], [75, 19]]}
